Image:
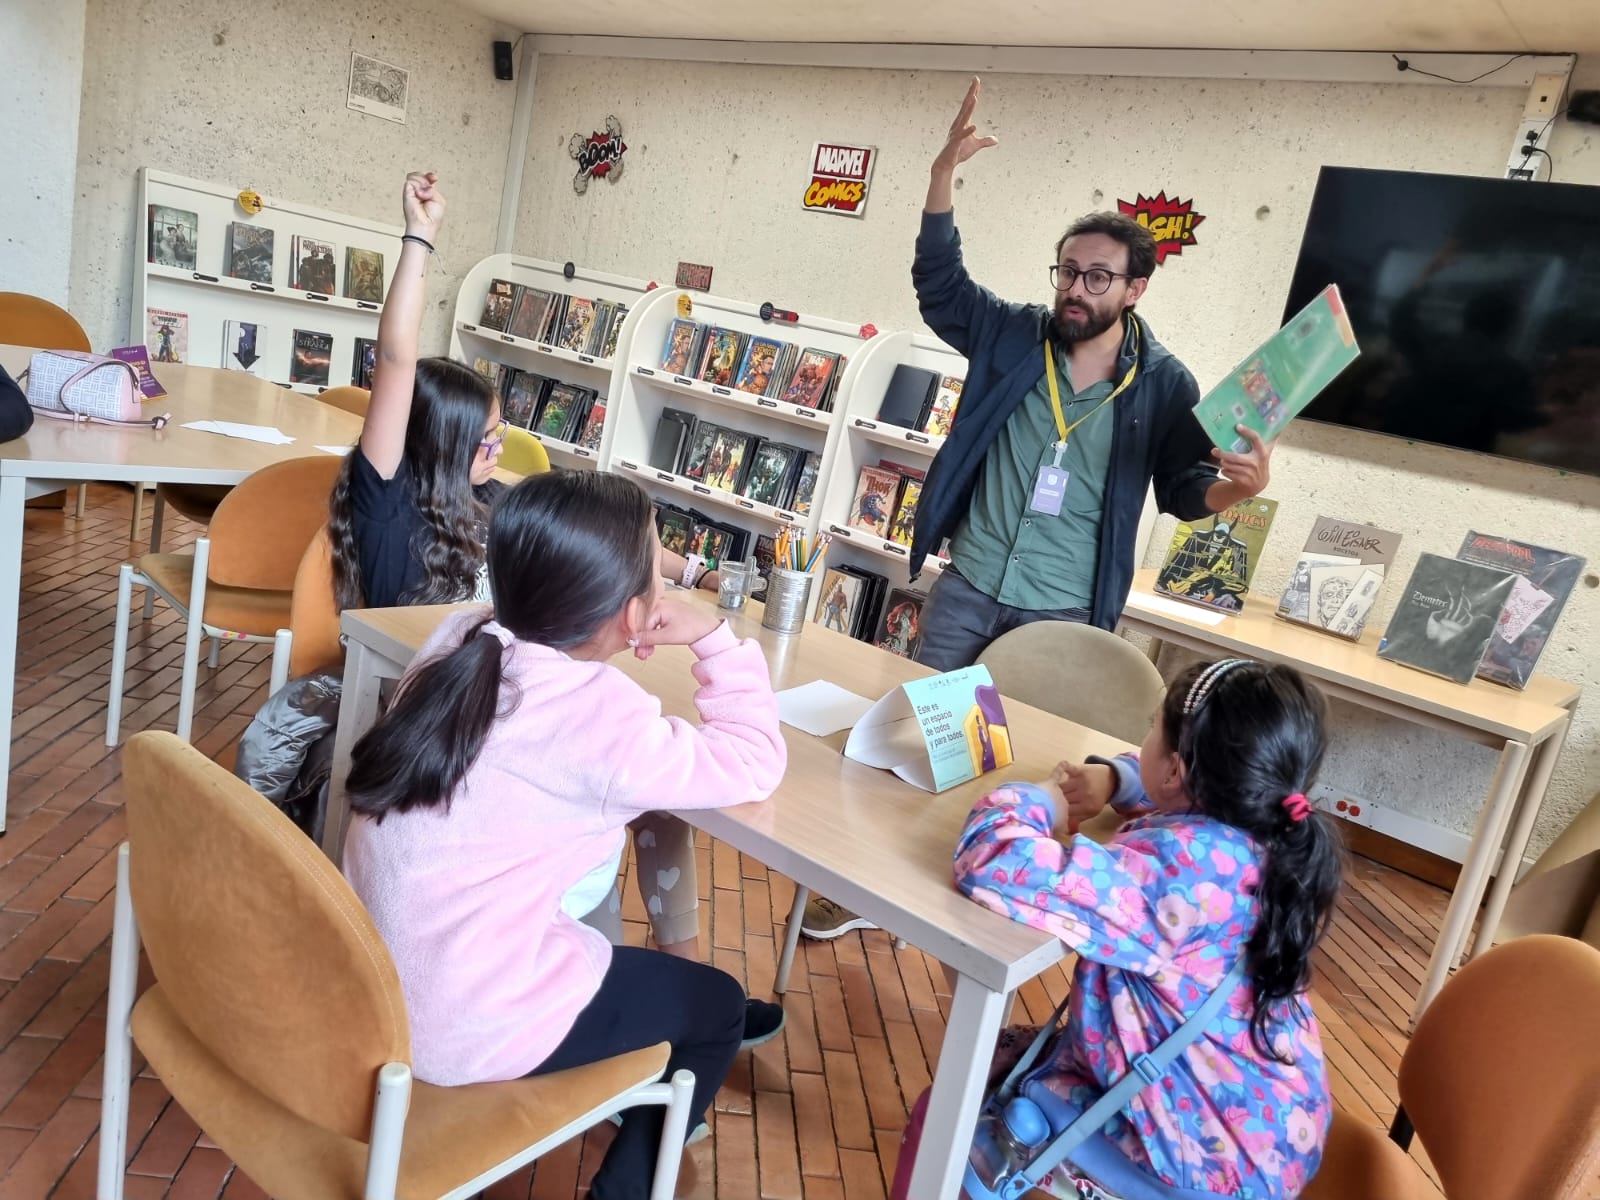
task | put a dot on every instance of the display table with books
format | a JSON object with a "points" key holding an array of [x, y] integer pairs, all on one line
{"points": [[859, 835], [1527, 728]]}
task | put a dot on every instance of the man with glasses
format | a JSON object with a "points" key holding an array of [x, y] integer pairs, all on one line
{"points": [[1067, 415]]}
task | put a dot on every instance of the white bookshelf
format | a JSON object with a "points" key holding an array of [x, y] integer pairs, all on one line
{"points": [[864, 441], [645, 389], [210, 297], [469, 341]]}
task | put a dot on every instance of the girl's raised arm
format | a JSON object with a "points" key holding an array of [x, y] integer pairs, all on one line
{"points": [[383, 437]]}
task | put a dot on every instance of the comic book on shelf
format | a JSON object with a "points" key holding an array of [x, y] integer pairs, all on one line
{"points": [[877, 490], [1544, 578], [1447, 616], [364, 362], [577, 323], [1212, 562], [770, 479], [899, 628], [942, 414], [760, 360], [594, 427], [172, 235], [166, 335], [1338, 576], [812, 379], [244, 347], [312, 357], [724, 349], [497, 302], [248, 252], [805, 486], [529, 309], [363, 275], [311, 265]]}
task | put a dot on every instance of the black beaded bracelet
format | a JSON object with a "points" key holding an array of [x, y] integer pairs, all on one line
{"points": [[423, 242]]}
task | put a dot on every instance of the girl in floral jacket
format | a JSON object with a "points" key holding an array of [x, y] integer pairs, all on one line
{"points": [[1223, 856]]}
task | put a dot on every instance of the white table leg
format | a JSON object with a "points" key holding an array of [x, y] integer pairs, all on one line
{"points": [[969, 1041], [13, 494], [364, 672], [1544, 765], [1487, 839]]}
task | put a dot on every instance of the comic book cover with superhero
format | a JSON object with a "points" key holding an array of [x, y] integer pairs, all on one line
{"points": [[1211, 562]]}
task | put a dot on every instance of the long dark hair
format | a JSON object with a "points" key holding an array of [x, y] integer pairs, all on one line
{"points": [[1254, 739], [567, 551], [450, 405]]}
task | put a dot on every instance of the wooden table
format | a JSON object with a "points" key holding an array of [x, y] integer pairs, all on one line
{"points": [[1527, 728], [857, 835], [56, 453]]}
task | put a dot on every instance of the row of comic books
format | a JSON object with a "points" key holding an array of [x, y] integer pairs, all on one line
{"points": [[760, 366], [860, 604], [173, 237], [886, 499], [689, 531], [246, 347], [761, 469], [553, 318], [1489, 611], [546, 406]]}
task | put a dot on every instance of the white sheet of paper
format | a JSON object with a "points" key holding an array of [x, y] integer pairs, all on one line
{"points": [[250, 433], [339, 450], [820, 707], [1175, 608]]}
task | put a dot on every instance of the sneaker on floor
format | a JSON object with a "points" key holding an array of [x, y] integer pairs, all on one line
{"points": [[824, 920], [763, 1021], [699, 1133]]}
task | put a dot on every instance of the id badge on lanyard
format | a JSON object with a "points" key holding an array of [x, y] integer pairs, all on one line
{"points": [[1050, 486]]}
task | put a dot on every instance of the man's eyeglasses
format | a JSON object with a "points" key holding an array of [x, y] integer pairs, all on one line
{"points": [[495, 439], [1096, 280]]}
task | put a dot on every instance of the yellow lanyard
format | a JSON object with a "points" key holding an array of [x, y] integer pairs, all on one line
{"points": [[1062, 428]]}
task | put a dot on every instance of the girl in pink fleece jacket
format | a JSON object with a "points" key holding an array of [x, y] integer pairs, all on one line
{"points": [[504, 775]]}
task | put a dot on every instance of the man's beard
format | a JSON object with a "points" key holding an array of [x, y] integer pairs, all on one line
{"points": [[1083, 322]]}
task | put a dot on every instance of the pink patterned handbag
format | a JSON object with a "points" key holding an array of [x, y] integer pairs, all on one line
{"points": [[73, 385]]}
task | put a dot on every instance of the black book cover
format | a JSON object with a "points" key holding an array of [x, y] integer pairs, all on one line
{"points": [[1545, 579], [1446, 616], [672, 431], [911, 389]]}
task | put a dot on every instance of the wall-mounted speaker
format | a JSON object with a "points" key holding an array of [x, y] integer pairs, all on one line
{"points": [[502, 60]]}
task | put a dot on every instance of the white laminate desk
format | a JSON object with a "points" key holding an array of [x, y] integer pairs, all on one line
{"points": [[54, 453], [860, 836], [1526, 727]]}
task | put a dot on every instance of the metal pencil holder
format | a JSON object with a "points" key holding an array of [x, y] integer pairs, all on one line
{"points": [[788, 598]]}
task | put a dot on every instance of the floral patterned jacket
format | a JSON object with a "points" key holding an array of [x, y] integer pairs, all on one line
{"points": [[1158, 915]]}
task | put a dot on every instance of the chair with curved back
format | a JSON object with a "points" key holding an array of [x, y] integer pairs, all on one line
{"points": [[34, 321], [348, 397], [313, 611], [1087, 675], [523, 454], [277, 1020], [1500, 1081], [238, 583]]}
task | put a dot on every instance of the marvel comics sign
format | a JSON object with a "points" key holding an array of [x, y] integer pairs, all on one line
{"points": [[840, 177]]}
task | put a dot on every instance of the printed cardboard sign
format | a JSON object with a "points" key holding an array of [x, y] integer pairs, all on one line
{"points": [[936, 732], [840, 177], [1170, 222], [694, 275], [598, 155]]}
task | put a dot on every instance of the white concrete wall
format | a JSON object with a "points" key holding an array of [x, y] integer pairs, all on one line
{"points": [[715, 172], [41, 79], [254, 96]]}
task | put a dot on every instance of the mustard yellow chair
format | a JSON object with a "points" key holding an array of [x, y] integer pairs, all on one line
{"points": [[277, 1021], [523, 454], [313, 611], [34, 321], [238, 582], [347, 397], [1501, 1081]]}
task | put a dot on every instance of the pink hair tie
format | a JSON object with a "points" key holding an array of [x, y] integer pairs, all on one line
{"points": [[498, 631], [1299, 807]]}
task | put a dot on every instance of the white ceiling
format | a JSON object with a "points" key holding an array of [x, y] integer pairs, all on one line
{"points": [[1554, 26]]}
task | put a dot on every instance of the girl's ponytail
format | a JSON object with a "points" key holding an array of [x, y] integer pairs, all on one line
{"points": [[433, 731], [1251, 738]]}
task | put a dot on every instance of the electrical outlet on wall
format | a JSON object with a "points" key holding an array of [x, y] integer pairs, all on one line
{"points": [[1342, 804]]}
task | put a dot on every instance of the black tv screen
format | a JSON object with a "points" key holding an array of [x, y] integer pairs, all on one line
{"points": [[1477, 306]]}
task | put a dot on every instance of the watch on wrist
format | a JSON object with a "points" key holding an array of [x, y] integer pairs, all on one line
{"points": [[691, 570]]}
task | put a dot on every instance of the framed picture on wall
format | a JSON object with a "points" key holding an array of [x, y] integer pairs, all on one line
{"points": [[377, 88]]}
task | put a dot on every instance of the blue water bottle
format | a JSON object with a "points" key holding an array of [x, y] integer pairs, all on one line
{"points": [[1003, 1146]]}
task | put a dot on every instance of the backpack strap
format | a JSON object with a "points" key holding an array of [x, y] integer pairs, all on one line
{"points": [[1143, 1071]]}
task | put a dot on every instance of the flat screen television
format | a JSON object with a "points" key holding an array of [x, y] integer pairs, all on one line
{"points": [[1477, 306]]}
